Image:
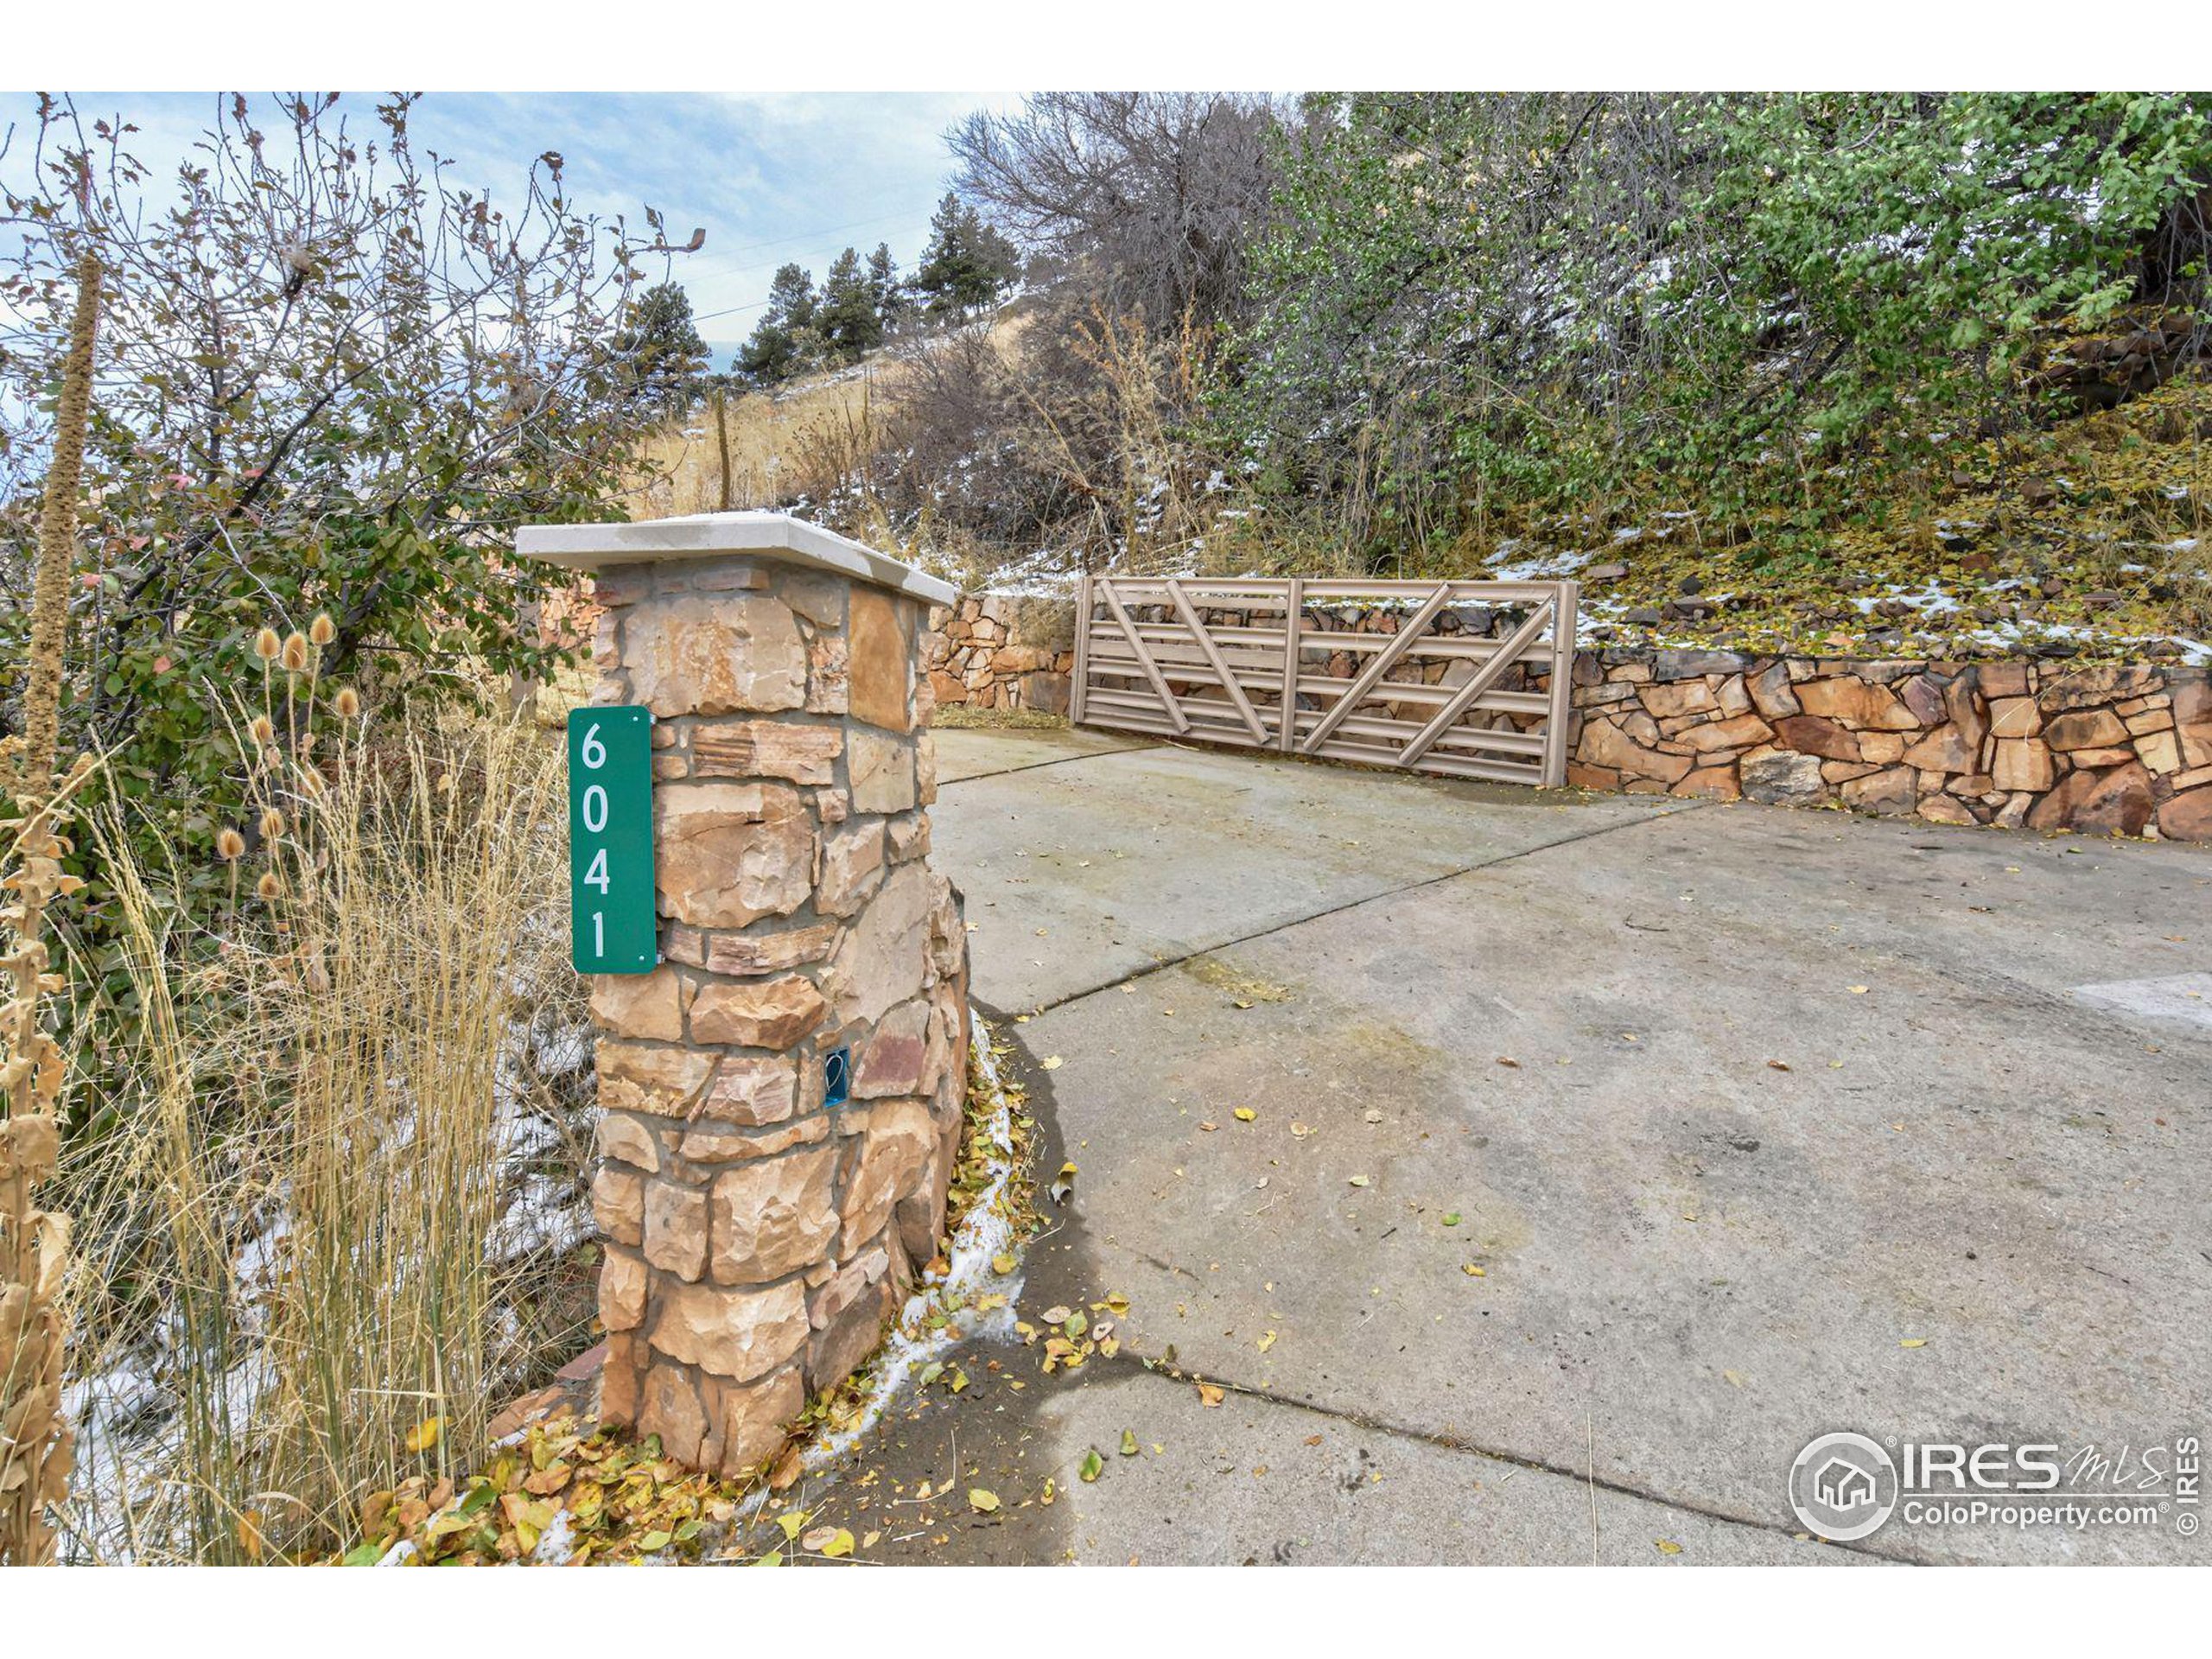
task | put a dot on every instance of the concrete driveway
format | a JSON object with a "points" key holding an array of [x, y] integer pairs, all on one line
{"points": [[1605, 1152]]}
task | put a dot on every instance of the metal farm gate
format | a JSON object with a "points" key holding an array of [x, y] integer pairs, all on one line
{"points": [[1467, 679]]}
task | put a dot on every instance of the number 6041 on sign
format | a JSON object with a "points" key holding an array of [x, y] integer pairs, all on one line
{"points": [[611, 927]]}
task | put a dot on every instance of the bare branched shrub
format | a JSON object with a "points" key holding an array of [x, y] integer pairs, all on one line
{"points": [[1142, 200]]}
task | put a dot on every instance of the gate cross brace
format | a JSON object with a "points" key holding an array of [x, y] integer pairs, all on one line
{"points": [[1491, 672], [1220, 664], [1372, 676], [1144, 658]]}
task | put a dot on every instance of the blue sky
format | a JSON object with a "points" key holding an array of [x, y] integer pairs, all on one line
{"points": [[772, 176]]}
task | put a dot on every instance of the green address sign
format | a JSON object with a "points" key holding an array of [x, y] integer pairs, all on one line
{"points": [[611, 926]]}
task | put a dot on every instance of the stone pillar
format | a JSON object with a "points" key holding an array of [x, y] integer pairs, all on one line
{"points": [[757, 1236]]}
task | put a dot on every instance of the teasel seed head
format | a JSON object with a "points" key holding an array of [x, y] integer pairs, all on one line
{"points": [[272, 823], [322, 630], [264, 729], [348, 702], [230, 846], [266, 644], [269, 886], [296, 652]]}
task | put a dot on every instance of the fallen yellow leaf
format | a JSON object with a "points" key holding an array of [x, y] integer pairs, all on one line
{"points": [[1246, 1115], [1051, 1062], [424, 1435], [1209, 1395], [981, 1501], [1913, 1342]]}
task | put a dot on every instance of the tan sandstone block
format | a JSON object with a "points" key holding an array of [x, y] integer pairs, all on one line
{"points": [[1610, 746], [1945, 749], [2192, 704], [622, 1137], [828, 667], [2160, 751], [766, 1013], [768, 748], [846, 1287], [694, 654], [891, 1062], [741, 1334], [726, 855], [2023, 764], [618, 1203], [1936, 808], [1710, 783], [852, 863], [2092, 728], [1856, 702], [2015, 717], [774, 1216], [752, 1090], [1735, 734], [748, 1422], [819, 598], [640, 1005], [1677, 698], [620, 1377], [742, 956], [948, 932], [890, 1160], [881, 771], [884, 957], [881, 668], [676, 1229], [1892, 793], [622, 1291], [661, 1082], [670, 1407], [711, 1145], [908, 837], [835, 1352]]}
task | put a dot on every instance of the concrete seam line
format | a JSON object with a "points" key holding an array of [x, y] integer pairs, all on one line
{"points": [[1354, 904], [1034, 765], [1454, 1443]]}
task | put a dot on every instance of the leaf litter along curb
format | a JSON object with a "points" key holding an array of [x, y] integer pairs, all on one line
{"points": [[567, 1491]]}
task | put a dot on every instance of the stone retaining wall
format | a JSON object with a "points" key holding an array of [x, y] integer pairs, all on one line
{"points": [[2103, 748], [995, 650]]}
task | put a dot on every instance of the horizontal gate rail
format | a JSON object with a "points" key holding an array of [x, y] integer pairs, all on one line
{"points": [[1465, 679]]}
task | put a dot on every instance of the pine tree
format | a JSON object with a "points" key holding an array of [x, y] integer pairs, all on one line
{"points": [[890, 294], [849, 322], [661, 346], [785, 339], [967, 264]]}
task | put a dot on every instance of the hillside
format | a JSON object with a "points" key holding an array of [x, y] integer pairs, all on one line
{"points": [[2087, 539]]}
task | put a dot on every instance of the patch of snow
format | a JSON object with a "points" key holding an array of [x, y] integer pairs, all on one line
{"points": [[1546, 566], [984, 1232]]}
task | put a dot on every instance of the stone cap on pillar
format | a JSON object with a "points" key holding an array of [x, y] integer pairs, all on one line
{"points": [[724, 535]]}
